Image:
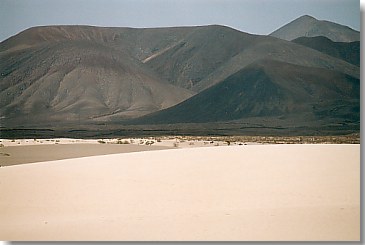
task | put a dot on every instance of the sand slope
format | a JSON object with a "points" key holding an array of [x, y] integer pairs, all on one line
{"points": [[256, 192], [13, 155]]}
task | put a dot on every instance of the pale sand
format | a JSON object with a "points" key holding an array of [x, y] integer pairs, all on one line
{"points": [[257, 192], [12, 155]]}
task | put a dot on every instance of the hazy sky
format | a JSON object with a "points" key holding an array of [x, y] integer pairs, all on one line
{"points": [[253, 16]]}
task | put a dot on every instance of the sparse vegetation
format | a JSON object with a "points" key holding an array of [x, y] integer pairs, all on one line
{"points": [[123, 142], [149, 142], [340, 139], [222, 140]]}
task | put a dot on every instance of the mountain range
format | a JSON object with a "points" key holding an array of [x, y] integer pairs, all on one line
{"points": [[306, 73]]}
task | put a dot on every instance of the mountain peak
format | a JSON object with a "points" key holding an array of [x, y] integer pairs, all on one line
{"points": [[306, 17], [308, 26]]}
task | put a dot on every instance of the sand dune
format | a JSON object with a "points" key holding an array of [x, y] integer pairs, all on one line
{"points": [[254, 192]]}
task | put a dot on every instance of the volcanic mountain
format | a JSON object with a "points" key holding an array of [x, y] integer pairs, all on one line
{"points": [[308, 26], [60, 74], [82, 75]]}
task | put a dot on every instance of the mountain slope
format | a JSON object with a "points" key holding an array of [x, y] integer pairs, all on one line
{"points": [[269, 89], [189, 57], [280, 50], [73, 80], [199, 54], [307, 26], [347, 51], [139, 43], [210, 54]]}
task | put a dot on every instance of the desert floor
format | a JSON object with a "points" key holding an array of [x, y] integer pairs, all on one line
{"points": [[22, 151], [236, 192], [13, 155]]}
